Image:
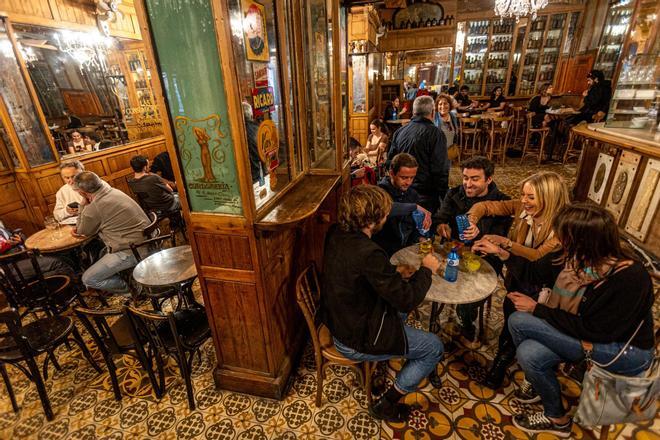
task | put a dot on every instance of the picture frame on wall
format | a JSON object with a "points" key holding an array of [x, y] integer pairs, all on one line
{"points": [[255, 31]]}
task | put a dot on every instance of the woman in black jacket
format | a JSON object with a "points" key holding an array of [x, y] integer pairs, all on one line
{"points": [[600, 295]]}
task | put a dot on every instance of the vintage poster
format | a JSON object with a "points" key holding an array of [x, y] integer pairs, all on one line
{"points": [[263, 101], [198, 106], [267, 146], [254, 31]]}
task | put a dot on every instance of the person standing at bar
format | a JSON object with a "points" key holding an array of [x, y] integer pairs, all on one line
{"points": [[426, 143]]}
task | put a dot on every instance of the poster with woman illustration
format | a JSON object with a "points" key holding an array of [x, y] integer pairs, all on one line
{"points": [[254, 31]]}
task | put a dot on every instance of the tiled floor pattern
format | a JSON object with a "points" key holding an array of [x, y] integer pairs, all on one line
{"points": [[85, 408]]}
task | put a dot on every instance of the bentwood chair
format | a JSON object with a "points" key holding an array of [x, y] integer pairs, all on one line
{"points": [[498, 129], [519, 124], [308, 296], [178, 335], [111, 332], [574, 147], [530, 150], [20, 345], [34, 292], [470, 136]]}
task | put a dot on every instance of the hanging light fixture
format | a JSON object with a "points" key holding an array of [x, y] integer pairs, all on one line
{"points": [[519, 8], [87, 48]]}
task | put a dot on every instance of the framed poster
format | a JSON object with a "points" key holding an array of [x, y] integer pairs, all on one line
{"points": [[644, 208], [599, 179], [255, 31], [623, 180]]}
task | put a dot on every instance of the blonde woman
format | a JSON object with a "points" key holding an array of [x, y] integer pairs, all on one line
{"points": [[543, 195]]}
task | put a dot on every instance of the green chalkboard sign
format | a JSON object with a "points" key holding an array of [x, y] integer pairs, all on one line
{"points": [[189, 62]]}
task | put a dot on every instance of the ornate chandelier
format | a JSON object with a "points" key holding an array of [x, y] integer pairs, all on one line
{"points": [[519, 8]]}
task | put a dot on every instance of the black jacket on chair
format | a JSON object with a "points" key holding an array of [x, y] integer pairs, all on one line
{"points": [[428, 145], [362, 294]]}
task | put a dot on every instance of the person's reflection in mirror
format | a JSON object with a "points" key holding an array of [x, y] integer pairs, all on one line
{"points": [[94, 140], [257, 168], [78, 144]]}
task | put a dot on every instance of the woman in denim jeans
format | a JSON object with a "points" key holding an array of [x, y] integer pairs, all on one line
{"points": [[607, 294]]}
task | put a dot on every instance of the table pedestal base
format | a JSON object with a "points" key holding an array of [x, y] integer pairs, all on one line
{"points": [[436, 311]]}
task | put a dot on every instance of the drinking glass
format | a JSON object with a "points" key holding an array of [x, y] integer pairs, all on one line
{"points": [[425, 246]]}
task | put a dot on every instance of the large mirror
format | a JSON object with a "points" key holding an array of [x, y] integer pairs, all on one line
{"points": [[95, 92], [256, 52]]}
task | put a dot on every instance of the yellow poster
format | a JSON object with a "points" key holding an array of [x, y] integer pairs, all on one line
{"points": [[255, 31]]}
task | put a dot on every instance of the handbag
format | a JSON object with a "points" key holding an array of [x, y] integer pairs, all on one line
{"points": [[453, 152], [608, 398]]}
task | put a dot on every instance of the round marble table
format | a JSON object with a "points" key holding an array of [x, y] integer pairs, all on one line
{"points": [[169, 267], [49, 241], [470, 287]]}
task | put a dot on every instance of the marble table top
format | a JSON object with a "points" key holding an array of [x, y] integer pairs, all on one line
{"points": [[469, 287], [166, 268], [54, 240]]}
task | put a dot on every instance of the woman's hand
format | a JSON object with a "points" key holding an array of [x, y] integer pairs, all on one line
{"points": [[431, 262], [444, 231], [522, 302], [496, 239], [486, 246]]}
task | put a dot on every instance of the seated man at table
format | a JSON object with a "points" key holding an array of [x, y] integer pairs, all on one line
{"points": [[400, 229], [465, 103], [118, 220], [478, 186], [12, 241], [596, 101], [66, 198], [152, 190], [364, 299]]}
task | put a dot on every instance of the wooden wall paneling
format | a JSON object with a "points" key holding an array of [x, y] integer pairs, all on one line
{"points": [[224, 250], [622, 183], [71, 14], [359, 127], [575, 81]]}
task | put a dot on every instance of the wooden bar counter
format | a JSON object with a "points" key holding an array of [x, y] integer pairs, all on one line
{"points": [[619, 168]]}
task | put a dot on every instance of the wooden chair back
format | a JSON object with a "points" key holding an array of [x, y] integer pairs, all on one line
{"points": [[308, 297], [96, 324]]}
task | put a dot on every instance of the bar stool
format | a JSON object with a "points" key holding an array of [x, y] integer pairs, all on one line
{"points": [[518, 127], [571, 149], [498, 129], [469, 136], [529, 150]]}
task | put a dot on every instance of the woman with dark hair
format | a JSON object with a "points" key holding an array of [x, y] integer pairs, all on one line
{"points": [[539, 104], [392, 111], [497, 101], [377, 141], [600, 295]]}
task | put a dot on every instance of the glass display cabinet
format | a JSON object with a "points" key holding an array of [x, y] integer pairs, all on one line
{"points": [[636, 99], [618, 19], [532, 57], [498, 54], [476, 47]]}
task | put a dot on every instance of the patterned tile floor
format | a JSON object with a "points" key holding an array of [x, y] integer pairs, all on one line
{"points": [[85, 408]]}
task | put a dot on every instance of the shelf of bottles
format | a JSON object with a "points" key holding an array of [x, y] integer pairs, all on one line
{"points": [[614, 34], [550, 52], [141, 77], [498, 54], [532, 56], [476, 49]]}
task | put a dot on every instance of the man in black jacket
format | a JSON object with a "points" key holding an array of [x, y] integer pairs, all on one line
{"points": [[596, 101], [428, 145], [364, 297], [477, 186], [400, 230]]}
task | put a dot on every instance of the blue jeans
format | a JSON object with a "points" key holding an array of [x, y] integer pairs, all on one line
{"points": [[104, 274], [541, 347], [424, 352]]}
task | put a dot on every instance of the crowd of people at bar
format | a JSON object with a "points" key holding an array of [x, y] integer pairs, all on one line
{"points": [[562, 263]]}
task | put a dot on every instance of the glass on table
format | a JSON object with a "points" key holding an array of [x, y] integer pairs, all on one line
{"points": [[425, 245]]}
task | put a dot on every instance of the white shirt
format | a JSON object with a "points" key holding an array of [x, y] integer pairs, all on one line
{"points": [[64, 196]]}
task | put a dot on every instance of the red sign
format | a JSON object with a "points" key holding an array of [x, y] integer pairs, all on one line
{"points": [[263, 100]]}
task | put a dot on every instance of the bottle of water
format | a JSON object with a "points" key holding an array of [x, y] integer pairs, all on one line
{"points": [[451, 271], [463, 223]]}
